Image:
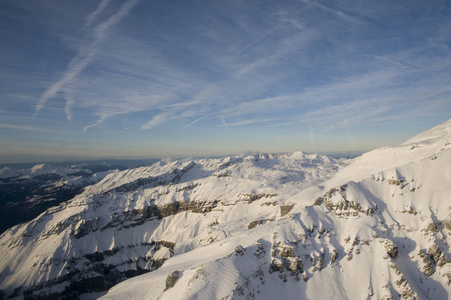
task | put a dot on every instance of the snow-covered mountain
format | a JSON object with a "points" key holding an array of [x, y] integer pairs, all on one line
{"points": [[264, 226], [26, 193], [37, 170]]}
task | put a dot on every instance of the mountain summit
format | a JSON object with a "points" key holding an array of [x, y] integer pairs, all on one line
{"points": [[263, 226]]}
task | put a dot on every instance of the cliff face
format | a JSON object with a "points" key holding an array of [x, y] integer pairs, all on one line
{"points": [[258, 227]]}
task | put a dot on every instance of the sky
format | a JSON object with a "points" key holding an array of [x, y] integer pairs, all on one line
{"points": [[158, 78]]}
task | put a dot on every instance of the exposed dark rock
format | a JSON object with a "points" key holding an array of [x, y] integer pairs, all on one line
{"points": [[391, 248], [239, 250], [187, 188], [295, 266], [276, 265], [172, 279], [84, 227], [334, 256], [401, 281], [245, 290], [221, 175], [214, 223], [255, 223], [437, 256], [193, 206], [432, 227], [254, 197], [285, 209], [90, 273], [137, 217], [169, 245], [260, 251], [99, 256], [286, 251], [318, 201], [428, 265], [319, 264], [343, 206], [395, 181], [408, 294]]}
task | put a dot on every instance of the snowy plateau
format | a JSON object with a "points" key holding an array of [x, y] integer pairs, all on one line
{"points": [[263, 226]]}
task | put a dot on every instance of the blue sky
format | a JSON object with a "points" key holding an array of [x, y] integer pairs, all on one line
{"points": [[109, 78]]}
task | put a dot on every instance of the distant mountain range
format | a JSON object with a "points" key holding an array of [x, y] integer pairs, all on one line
{"points": [[27, 190], [263, 226]]}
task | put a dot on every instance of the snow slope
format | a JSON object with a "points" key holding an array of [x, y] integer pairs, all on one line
{"points": [[132, 221], [379, 229], [266, 226]]}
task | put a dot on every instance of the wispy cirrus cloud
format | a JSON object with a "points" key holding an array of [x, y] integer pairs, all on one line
{"points": [[248, 122], [85, 56], [169, 71], [244, 79], [157, 120], [19, 127]]}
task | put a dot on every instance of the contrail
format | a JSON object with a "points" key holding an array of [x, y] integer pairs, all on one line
{"points": [[194, 122], [95, 13]]}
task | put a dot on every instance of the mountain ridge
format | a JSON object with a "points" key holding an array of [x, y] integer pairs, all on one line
{"points": [[257, 226]]}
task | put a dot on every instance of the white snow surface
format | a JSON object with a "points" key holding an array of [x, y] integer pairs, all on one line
{"points": [[264, 226]]}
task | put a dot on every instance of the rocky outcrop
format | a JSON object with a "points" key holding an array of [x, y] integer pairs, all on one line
{"points": [[396, 181], [433, 258], [437, 256], [284, 259], [336, 201], [172, 279], [391, 248], [428, 266], [93, 273], [255, 223], [285, 209], [249, 198], [138, 216]]}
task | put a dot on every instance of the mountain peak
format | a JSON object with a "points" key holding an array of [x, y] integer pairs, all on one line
{"points": [[438, 135], [423, 146]]}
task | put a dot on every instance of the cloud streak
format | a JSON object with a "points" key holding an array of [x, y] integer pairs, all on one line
{"points": [[194, 122], [19, 127], [84, 57], [196, 71], [69, 102], [95, 13]]}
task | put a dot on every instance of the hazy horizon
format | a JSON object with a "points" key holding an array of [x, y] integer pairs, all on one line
{"points": [[109, 78], [80, 160]]}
